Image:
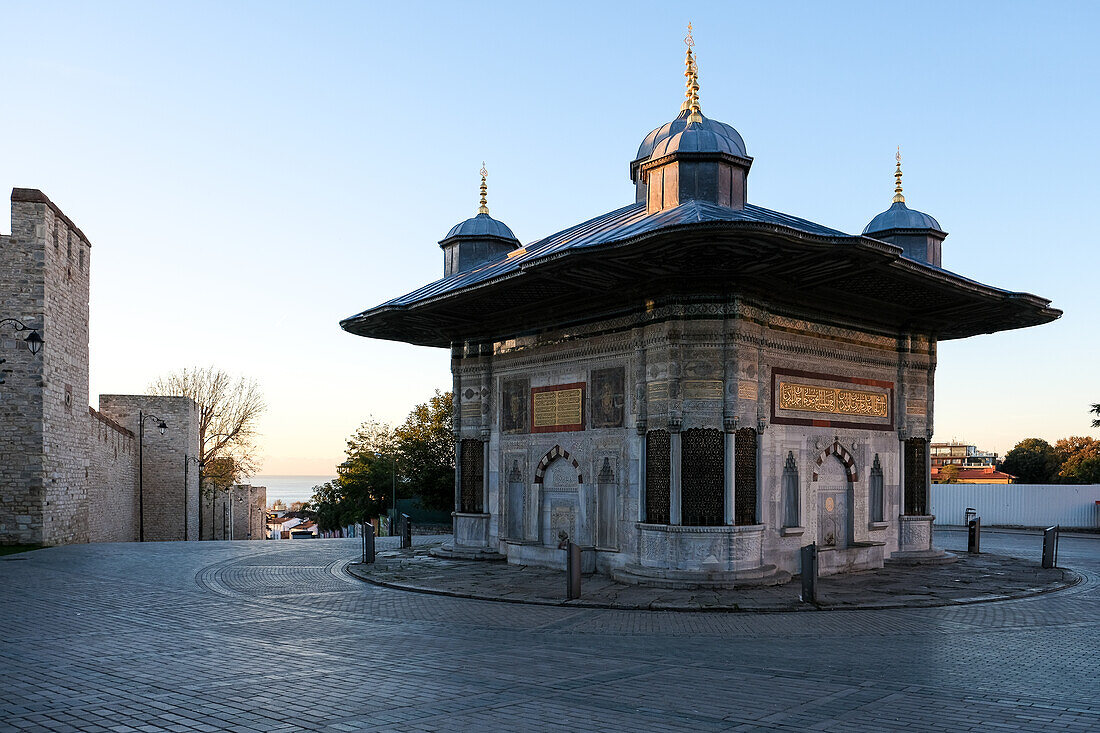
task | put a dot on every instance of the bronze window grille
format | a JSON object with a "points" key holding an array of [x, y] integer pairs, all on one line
{"points": [[744, 473], [916, 487], [472, 476], [658, 461], [703, 477]]}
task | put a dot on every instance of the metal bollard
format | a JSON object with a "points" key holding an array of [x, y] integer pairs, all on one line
{"points": [[573, 571], [974, 535], [1050, 547], [406, 531], [809, 573], [368, 542]]}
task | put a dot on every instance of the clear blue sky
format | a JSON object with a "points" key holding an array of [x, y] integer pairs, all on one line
{"points": [[251, 173]]}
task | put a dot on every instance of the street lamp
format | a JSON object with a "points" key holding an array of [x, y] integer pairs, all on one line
{"points": [[34, 340], [162, 427]]}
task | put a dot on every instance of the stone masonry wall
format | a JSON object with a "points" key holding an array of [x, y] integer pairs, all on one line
{"points": [[44, 281], [22, 474], [244, 503], [171, 482], [112, 484]]}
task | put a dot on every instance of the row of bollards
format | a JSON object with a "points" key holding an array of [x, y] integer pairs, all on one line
{"points": [[405, 528]]}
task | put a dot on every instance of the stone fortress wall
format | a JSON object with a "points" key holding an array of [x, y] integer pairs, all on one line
{"points": [[112, 506], [68, 473]]}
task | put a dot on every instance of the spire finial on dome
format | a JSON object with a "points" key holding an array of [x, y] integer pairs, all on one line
{"points": [[692, 74], [484, 208], [899, 198]]}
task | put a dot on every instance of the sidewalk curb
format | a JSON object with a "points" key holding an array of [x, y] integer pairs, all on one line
{"points": [[1070, 578]]}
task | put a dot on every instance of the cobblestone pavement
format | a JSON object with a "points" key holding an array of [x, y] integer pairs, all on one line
{"points": [[274, 636], [973, 579]]}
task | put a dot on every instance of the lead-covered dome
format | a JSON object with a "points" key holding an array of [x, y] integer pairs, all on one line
{"points": [[708, 136], [900, 216], [480, 226], [725, 138]]}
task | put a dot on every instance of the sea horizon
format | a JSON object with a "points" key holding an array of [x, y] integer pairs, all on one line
{"points": [[289, 487]]}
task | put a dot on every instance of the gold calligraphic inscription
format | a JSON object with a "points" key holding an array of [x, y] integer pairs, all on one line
{"points": [[746, 390], [657, 390], [809, 398], [471, 409], [558, 407], [703, 389], [916, 407]]}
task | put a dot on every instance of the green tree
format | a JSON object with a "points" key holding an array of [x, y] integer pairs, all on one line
{"points": [[1096, 411], [426, 452], [1033, 461], [1074, 453], [1088, 471]]}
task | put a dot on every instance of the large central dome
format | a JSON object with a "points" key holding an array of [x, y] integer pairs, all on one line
{"points": [[690, 132], [716, 136]]}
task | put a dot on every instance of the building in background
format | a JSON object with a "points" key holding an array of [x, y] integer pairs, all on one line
{"points": [[69, 472], [951, 474], [962, 455]]}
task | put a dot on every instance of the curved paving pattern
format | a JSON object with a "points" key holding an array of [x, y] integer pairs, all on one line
{"points": [[275, 637]]}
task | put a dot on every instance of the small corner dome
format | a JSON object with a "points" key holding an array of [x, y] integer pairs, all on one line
{"points": [[481, 226], [900, 216], [708, 136]]}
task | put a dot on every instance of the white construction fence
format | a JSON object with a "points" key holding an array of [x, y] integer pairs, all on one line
{"points": [[1018, 505]]}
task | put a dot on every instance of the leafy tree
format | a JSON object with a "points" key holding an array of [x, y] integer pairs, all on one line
{"points": [[1074, 452], [1088, 471], [229, 413], [1096, 411], [364, 481], [426, 452], [1033, 461], [949, 474]]}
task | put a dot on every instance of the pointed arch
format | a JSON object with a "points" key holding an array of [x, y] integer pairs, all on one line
{"points": [[842, 454], [552, 455]]}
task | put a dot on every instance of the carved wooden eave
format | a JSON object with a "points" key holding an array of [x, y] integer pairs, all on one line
{"points": [[855, 281]]}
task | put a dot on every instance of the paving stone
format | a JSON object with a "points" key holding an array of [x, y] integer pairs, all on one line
{"points": [[220, 636]]}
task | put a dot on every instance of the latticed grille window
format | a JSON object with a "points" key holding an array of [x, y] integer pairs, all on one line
{"points": [[790, 492], [876, 491], [744, 472], [473, 471], [702, 477], [916, 486], [658, 452]]}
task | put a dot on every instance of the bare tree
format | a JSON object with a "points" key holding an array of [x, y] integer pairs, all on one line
{"points": [[229, 410]]}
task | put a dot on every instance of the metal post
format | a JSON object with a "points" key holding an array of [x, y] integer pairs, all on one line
{"points": [[974, 535], [809, 573], [573, 570], [368, 542], [141, 476], [406, 531], [1050, 547]]}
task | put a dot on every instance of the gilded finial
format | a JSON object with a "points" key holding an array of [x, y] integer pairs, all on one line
{"points": [[692, 73], [484, 208], [899, 198]]}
